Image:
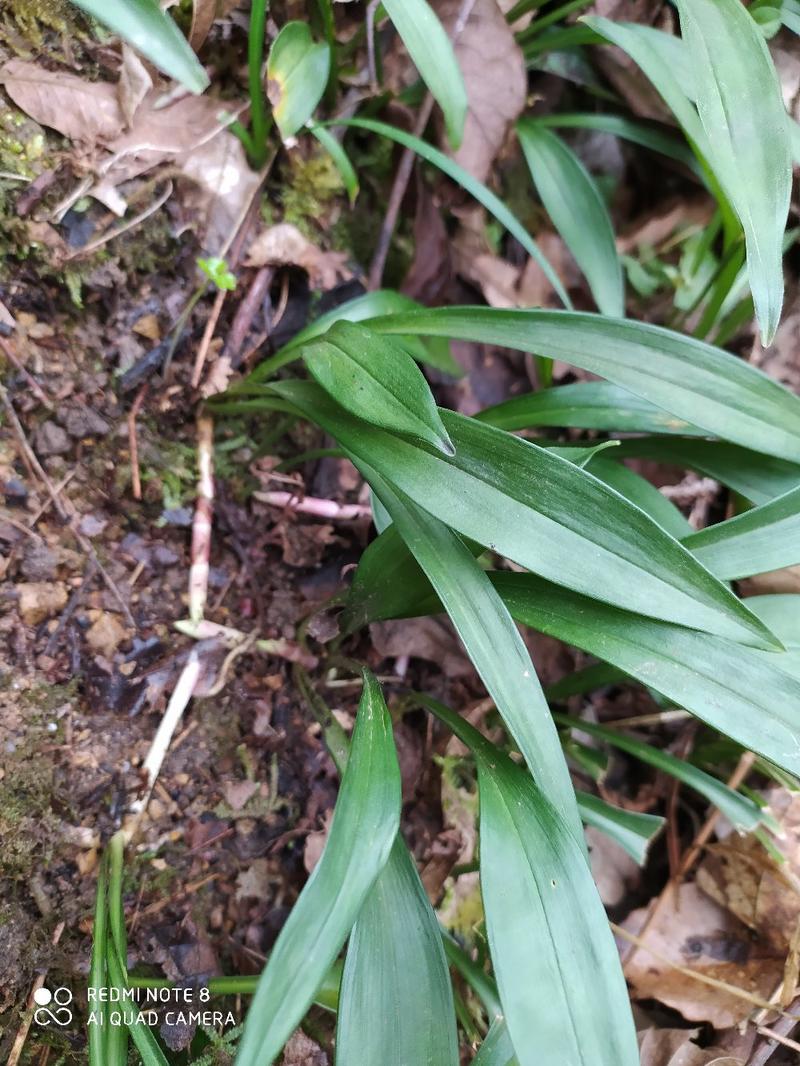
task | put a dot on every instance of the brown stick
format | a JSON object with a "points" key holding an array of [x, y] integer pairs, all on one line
{"points": [[133, 442], [22, 1034]]}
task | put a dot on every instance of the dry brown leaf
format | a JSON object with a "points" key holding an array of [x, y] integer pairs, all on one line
{"points": [[421, 638], [84, 111], [495, 77], [285, 245], [744, 878], [676, 1047], [222, 185], [203, 14], [693, 931], [134, 83], [301, 1050]]}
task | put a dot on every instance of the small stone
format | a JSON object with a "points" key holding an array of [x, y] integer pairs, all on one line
{"points": [[92, 526], [39, 563], [84, 422], [105, 634], [50, 439], [40, 599]]}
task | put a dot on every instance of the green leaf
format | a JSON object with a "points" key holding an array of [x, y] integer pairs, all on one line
{"points": [[396, 1000], [759, 478], [585, 405], [558, 972], [645, 495], [542, 512], [297, 73], [766, 538], [632, 830], [340, 158], [375, 379], [430, 48], [739, 810], [649, 135], [143, 1037], [435, 353], [98, 1033], [741, 108], [690, 379], [739, 691], [781, 611], [150, 31], [475, 188], [665, 61], [218, 272], [491, 640], [577, 210], [496, 1049], [362, 832], [744, 693]]}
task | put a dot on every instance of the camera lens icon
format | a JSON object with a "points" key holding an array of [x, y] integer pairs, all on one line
{"points": [[60, 999]]}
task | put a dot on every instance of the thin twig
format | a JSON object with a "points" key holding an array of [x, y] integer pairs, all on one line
{"points": [[36, 388], [234, 243], [22, 1034], [396, 196], [133, 442], [203, 515], [713, 982], [405, 168], [312, 506]]}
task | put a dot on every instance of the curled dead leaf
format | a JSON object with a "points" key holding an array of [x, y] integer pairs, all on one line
{"points": [[285, 245]]}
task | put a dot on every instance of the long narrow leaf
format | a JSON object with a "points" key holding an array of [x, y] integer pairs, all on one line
{"points": [[690, 379], [759, 478], [561, 985], [648, 135], [496, 1049], [144, 25], [492, 642], [742, 812], [380, 302], [741, 108], [745, 693], [396, 1000], [493, 204], [362, 832], [430, 48], [765, 538], [577, 210], [632, 830], [544, 513], [585, 405]]}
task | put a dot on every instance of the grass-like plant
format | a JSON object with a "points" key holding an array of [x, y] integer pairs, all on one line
{"points": [[602, 560]]}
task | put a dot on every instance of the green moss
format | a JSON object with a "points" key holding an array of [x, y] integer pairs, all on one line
{"points": [[309, 189], [32, 16]]}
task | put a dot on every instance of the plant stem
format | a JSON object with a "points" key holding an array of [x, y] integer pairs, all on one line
{"points": [[255, 61]]}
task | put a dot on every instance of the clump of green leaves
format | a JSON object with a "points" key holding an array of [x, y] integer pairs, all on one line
{"points": [[602, 560]]}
